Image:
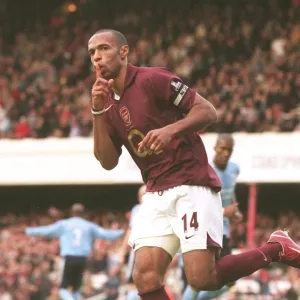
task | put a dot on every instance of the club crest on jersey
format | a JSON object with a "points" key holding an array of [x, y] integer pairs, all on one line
{"points": [[125, 115]]}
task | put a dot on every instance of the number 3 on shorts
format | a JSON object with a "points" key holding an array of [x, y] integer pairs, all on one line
{"points": [[193, 222]]}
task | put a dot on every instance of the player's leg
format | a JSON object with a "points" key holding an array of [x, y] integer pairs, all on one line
{"points": [[199, 226], [155, 244], [78, 271], [191, 294], [229, 268], [279, 248], [203, 270], [64, 291], [207, 295], [150, 266]]}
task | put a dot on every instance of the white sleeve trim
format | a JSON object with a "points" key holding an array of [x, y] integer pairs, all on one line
{"points": [[180, 95]]}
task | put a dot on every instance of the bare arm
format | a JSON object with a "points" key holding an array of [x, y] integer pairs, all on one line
{"points": [[199, 117], [230, 210], [107, 234], [238, 215], [104, 149]]}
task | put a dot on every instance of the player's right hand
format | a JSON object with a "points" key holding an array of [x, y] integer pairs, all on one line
{"points": [[231, 210], [237, 217], [100, 91]]}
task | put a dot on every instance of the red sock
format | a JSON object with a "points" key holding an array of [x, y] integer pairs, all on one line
{"points": [[233, 267], [159, 294]]}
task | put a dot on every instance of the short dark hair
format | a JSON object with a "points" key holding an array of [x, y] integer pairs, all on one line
{"points": [[119, 36], [225, 137], [77, 209]]}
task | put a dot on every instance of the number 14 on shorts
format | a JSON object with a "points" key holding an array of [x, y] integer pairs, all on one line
{"points": [[190, 222]]}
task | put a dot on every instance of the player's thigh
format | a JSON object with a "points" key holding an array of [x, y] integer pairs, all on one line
{"points": [[200, 268], [78, 272], [199, 226], [204, 272], [73, 272], [67, 273], [152, 258], [150, 262]]}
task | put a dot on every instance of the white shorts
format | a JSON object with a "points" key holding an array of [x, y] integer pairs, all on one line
{"points": [[186, 217]]}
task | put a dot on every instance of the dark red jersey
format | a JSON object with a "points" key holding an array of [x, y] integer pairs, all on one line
{"points": [[153, 98]]}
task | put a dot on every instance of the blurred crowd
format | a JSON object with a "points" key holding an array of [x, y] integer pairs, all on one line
{"points": [[31, 267], [243, 56]]}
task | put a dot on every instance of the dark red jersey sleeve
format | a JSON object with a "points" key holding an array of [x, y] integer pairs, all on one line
{"points": [[166, 86]]}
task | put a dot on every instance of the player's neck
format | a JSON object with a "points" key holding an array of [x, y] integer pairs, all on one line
{"points": [[119, 82], [221, 167]]}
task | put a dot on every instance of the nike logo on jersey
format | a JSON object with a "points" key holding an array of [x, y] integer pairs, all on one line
{"points": [[188, 237], [265, 258]]}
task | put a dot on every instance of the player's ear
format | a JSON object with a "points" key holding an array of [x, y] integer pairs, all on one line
{"points": [[124, 50]]}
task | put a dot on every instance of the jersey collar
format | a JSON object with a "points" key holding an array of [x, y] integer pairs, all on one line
{"points": [[130, 74]]}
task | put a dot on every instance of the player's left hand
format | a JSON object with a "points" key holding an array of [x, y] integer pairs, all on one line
{"points": [[237, 217], [156, 139]]}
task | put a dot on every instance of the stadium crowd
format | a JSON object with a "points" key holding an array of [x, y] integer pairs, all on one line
{"points": [[31, 268], [243, 56]]}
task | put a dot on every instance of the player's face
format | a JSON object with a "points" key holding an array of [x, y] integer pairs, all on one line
{"points": [[223, 151], [104, 52]]}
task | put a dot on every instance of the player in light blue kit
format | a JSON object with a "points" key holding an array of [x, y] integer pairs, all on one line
{"points": [[228, 172], [76, 238]]}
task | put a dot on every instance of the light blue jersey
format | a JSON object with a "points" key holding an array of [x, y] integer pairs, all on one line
{"points": [[76, 235], [228, 179]]}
